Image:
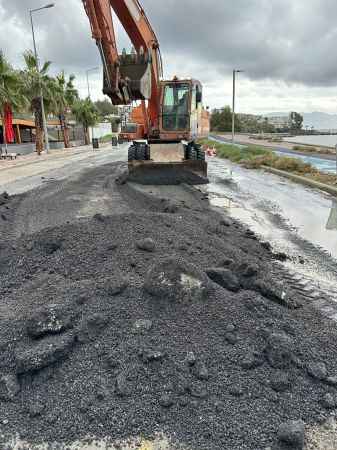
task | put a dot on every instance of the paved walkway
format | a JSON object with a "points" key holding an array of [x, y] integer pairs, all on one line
{"points": [[34, 157], [32, 170]]}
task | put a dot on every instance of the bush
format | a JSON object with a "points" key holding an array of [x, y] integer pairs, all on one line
{"points": [[258, 137], [105, 138], [292, 165], [305, 149], [254, 157]]}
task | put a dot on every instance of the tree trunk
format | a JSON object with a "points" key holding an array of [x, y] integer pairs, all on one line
{"points": [[86, 135], [66, 136], [39, 133], [65, 131]]}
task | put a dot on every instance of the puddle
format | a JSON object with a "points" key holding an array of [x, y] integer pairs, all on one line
{"points": [[267, 203], [296, 220]]}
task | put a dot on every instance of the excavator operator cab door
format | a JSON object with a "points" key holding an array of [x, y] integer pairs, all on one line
{"points": [[196, 110], [176, 107]]}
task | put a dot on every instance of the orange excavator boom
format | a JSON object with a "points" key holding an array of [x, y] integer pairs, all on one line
{"points": [[128, 77]]}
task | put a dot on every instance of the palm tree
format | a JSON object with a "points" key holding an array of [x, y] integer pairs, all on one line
{"points": [[85, 113], [37, 82], [11, 93], [64, 95]]}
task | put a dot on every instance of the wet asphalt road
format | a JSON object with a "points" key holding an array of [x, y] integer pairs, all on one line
{"points": [[297, 220]]}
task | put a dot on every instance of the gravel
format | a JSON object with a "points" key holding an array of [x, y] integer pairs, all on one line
{"points": [[100, 337]]}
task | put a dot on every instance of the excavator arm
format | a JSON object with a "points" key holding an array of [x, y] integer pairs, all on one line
{"points": [[134, 76]]}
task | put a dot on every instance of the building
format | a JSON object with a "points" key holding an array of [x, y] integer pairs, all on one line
{"points": [[24, 129], [247, 117], [280, 122], [125, 112], [24, 134]]}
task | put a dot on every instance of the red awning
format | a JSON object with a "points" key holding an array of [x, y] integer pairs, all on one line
{"points": [[9, 131]]}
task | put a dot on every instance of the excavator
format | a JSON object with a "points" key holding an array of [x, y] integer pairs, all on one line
{"points": [[169, 114]]}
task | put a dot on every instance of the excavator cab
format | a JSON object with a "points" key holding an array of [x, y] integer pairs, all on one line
{"points": [[176, 110], [182, 110]]}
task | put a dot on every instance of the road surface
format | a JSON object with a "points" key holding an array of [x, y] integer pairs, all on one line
{"points": [[295, 219], [292, 218]]}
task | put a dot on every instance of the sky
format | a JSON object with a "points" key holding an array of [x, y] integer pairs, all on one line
{"points": [[285, 47]]}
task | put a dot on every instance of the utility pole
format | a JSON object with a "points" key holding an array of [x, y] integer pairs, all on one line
{"points": [[45, 128], [235, 71], [336, 162]]}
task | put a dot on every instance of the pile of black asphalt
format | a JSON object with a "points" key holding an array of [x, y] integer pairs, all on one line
{"points": [[163, 320]]}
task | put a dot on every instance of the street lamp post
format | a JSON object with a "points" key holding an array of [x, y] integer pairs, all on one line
{"points": [[50, 5], [336, 161], [233, 108], [93, 69]]}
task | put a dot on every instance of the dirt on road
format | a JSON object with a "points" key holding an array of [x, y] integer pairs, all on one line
{"points": [[132, 311]]}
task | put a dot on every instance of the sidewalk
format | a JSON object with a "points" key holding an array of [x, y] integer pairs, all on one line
{"points": [[31, 171], [33, 158]]}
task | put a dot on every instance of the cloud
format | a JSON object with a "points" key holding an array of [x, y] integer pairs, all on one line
{"points": [[285, 45], [270, 39]]}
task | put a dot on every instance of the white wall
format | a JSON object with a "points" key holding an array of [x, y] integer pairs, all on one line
{"points": [[100, 130]]}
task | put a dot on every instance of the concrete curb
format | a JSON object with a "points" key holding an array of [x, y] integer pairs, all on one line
{"points": [[297, 178]]}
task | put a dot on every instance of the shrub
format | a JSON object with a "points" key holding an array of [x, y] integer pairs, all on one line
{"points": [[106, 138], [254, 157], [305, 149], [292, 165]]}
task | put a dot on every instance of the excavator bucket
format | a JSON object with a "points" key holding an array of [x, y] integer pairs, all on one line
{"points": [[167, 165], [187, 172], [137, 71], [135, 76]]}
